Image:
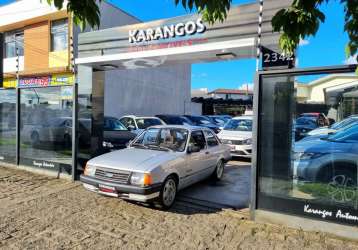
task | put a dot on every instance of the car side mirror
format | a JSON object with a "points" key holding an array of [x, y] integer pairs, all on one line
{"points": [[193, 148]]}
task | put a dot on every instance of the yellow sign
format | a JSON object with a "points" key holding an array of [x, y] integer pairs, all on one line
{"points": [[41, 81]]}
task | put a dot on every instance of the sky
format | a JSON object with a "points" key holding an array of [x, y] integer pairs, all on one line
{"points": [[326, 48]]}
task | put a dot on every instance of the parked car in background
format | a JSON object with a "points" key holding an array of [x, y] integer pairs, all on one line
{"points": [[329, 158], [349, 121], [218, 119], [303, 125], [158, 163], [237, 133], [175, 120], [137, 124], [320, 118], [115, 134], [55, 131], [203, 121]]}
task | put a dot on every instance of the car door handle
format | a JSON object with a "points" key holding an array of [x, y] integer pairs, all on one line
{"points": [[207, 153]]}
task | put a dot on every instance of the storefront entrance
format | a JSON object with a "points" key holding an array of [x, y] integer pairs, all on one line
{"points": [[42, 135], [305, 155]]}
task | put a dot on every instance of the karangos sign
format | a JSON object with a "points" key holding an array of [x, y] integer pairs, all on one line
{"points": [[167, 31]]}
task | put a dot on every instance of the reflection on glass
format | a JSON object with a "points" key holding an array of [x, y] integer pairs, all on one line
{"points": [[8, 125], [46, 128], [321, 168]]}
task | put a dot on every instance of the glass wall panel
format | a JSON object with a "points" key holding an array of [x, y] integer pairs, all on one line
{"points": [[8, 125], [46, 127], [308, 147]]}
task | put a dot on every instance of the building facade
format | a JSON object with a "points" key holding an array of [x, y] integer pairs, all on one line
{"points": [[37, 42]]}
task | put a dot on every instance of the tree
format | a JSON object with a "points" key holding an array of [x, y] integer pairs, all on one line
{"points": [[300, 20]]}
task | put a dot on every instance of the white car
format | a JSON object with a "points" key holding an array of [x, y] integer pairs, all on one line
{"points": [[158, 163], [237, 133], [137, 124]]}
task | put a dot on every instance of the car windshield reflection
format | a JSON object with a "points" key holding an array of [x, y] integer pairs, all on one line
{"points": [[239, 125], [166, 139]]}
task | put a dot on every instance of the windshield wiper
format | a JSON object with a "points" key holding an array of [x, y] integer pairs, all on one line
{"points": [[139, 145], [157, 147]]}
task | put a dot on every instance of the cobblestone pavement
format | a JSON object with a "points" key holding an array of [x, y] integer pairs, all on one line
{"points": [[39, 212]]}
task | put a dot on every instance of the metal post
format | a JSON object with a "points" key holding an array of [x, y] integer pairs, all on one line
{"points": [[259, 30], [74, 131], [74, 113], [17, 107], [1, 60]]}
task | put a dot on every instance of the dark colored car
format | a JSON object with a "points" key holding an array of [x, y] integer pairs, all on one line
{"points": [[303, 125], [115, 134], [175, 119], [219, 120], [203, 121]]}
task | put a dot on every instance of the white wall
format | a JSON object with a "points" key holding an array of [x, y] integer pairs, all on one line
{"points": [[148, 92], [10, 64]]}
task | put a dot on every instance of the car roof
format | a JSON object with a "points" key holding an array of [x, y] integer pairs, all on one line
{"points": [[140, 117], [188, 127]]}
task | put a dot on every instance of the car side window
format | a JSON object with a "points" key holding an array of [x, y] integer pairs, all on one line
{"points": [[211, 138], [124, 121], [197, 138]]}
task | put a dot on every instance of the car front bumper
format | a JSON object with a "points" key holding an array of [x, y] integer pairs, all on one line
{"points": [[128, 192], [241, 150]]}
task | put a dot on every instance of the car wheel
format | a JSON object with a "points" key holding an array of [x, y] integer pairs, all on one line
{"points": [[219, 171], [35, 139], [168, 193]]}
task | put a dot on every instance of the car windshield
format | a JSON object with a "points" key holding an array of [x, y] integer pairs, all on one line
{"points": [[344, 123], [239, 125], [305, 121], [113, 125], [348, 134], [144, 123], [162, 139], [200, 120]]}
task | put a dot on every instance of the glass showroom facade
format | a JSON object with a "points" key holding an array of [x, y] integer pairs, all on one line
{"points": [[36, 127], [307, 146]]}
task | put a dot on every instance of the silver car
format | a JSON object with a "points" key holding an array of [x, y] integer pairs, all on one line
{"points": [[159, 162]]}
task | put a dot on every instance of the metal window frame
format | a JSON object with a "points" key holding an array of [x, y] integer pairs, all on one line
{"points": [[256, 108]]}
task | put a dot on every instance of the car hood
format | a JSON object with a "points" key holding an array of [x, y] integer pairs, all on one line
{"points": [[133, 159], [118, 136], [321, 131], [239, 135], [322, 146]]}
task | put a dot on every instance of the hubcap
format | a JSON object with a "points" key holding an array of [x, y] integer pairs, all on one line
{"points": [[220, 170], [169, 192]]}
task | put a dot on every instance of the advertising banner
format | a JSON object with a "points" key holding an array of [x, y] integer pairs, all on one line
{"points": [[41, 81]]}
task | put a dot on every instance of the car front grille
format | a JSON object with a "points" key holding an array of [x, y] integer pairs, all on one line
{"points": [[113, 175], [233, 142]]}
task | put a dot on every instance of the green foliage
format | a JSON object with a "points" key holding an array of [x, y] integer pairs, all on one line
{"points": [[303, 18], [212, 10], [84, 11]]}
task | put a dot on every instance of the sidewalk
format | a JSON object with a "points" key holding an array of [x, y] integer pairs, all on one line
{"points": [[38, 212]]}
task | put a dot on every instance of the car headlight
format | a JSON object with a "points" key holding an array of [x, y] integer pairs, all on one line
{"points": [[107, 144], [224, 141], [90, 170], [247, 142], [141, 179], [306, 156]]}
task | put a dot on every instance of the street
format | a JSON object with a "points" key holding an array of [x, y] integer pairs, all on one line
{"points": [[39, 212]]}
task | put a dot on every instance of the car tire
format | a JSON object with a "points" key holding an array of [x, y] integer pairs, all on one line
{"points": [[218, 174], [35, 139], [168, 193]]}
